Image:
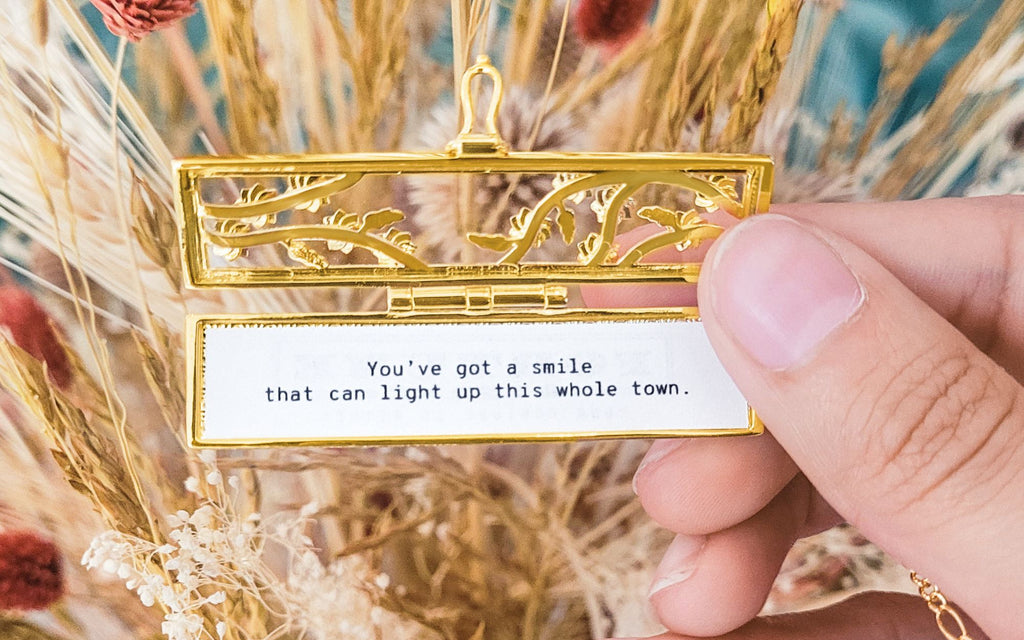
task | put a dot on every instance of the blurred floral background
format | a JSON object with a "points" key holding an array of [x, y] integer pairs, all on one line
{"points": [[110, 527]]}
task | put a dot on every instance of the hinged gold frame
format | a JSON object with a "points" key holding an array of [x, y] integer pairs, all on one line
{"points": [[289, 205]]}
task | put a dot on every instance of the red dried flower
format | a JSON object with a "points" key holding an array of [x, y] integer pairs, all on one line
{"points": [[134, 19], [31, 329], [611, 22], [31, 571]]}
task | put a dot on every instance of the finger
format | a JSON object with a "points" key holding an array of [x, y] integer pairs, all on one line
{"points": [[900, 422], [970, 281], [645, 295], [697, 486], [706, 585], [868, 616], [639, 296], [714, 582], [978, 291]]}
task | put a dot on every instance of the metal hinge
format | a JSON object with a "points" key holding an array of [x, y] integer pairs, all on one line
{"points": [[476, 298]]}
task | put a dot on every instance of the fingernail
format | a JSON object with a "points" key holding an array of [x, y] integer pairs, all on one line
{"points": [[679, 562], [779, 289], [658, 450]]}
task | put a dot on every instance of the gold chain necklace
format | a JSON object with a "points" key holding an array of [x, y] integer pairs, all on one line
{"points": [[945, 615]]}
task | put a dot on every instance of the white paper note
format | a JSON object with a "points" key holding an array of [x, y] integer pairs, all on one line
{"points": [[379, 381]]}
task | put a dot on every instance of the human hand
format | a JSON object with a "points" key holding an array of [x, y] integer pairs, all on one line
{"points": [[883, 347]]}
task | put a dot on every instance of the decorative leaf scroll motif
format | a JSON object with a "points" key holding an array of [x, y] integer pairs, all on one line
{"points": [[231, 227], [301, 252], [296, 183], [591, 247], [249, 222], [373, 221], [373, 227], [566, 223], [686, 229], [611, 197], [254, 219], [603, 201], [725, 184]]}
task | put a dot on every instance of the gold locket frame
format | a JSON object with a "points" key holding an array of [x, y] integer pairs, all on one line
{"points": [[373, 249]]}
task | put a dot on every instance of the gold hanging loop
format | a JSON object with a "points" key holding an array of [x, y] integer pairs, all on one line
{"points": [[490, 141]]}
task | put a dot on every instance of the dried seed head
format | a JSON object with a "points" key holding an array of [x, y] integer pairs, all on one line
{"points": [[31, 571], [134, 19], [32, 330], [496, 196], [611, 22]]}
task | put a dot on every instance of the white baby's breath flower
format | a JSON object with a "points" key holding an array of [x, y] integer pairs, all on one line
{"points": [[210, 550], [443, 531], [208, 457], [188, 580], [173, 598], [192, 484], [416, 454], [182, 626], [173, 521]]}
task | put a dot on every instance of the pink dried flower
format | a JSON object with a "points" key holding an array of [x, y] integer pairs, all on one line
{"points": [[31, 329], [31, 571], [611, 22], [134, 19]]}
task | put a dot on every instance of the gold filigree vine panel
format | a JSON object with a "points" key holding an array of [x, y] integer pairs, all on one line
{"points": [[522, 217]]}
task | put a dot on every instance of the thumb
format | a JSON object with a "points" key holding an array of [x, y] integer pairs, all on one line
{"points": [[906, 428]]}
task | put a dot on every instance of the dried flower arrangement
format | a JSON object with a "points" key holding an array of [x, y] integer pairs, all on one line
{"points": [[516, 542]]}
